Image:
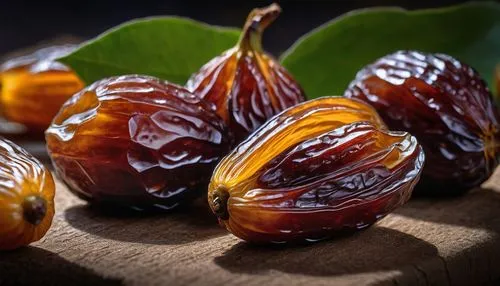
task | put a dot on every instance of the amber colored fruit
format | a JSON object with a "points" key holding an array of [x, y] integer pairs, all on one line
{"points": [[26, 197], [35, 86], [446, 105], [137, 141], [247, 85], [312, 171]]}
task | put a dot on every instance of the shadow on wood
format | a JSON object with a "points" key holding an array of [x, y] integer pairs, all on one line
{"points": [[374, 249], [179, 227], [478, 209], [473, 217], [35, 266]]}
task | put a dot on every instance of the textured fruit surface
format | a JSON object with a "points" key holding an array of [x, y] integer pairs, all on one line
{"points": [[316, 169], [26, 197], [35, 86], [136, 141], [446, 105], [247, 85]]}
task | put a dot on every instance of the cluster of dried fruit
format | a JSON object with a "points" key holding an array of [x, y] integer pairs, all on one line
{"points": [[329, 165], [301, 171], [158, 142]]}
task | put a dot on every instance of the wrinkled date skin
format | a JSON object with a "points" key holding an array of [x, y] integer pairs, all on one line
{"points": [[26, 197], [247, 85], [446, 105], [317, 169], [137, 141], [35, 86]]}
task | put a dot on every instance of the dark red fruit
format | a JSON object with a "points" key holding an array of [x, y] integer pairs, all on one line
{"points": [[137, 141], [446, 105]]}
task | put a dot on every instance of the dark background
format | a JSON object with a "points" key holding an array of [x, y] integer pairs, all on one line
{"points": [[26, 23]]}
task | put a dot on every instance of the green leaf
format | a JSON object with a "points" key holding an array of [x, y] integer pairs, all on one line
{"points": [[170, 48], [326, 60]]}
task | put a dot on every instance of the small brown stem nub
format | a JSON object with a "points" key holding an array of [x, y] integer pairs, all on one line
{"points": [[34, 209], [219, 203], [258, 20]]}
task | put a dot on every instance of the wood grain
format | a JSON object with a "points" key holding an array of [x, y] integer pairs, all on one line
{"points": [[444, 242]]}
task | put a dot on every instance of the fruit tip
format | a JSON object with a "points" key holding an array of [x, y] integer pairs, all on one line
{"points": [[257, 21], [34, 209], [219, 203]]}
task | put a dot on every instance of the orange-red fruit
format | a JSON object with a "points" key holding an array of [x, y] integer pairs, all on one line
{"points": [[247, 85], [26, 197], [137, 141], [35, 86], [314, 170], [446, 105]]}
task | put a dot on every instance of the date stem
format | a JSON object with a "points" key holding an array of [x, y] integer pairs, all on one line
{"points": [[258, 20], [34, 209], [219, 202]]}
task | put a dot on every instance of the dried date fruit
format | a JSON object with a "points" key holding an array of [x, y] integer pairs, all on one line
{"points": [[35, 86], [321, 167], [446, 105], [26, 197], [247, 85], [137, 141]]}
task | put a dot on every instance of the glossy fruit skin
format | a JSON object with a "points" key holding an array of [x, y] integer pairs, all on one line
{"points": [[24, 180], [317, 169], [35, 86], [446, 105], [137, 141], [247, 85]]}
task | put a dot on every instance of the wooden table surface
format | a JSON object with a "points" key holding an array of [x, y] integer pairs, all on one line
{"points": [[426, 242]]}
